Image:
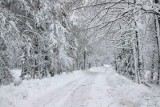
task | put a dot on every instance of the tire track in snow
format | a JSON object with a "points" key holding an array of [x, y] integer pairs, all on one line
{"points": [[67, 93], [80, 95]]}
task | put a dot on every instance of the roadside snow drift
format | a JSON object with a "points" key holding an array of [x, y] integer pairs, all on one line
{"points": [[96, 87]]}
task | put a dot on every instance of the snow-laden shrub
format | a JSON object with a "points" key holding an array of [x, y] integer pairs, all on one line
{"points": [[155, 77], [147, 76], [17, 82]]}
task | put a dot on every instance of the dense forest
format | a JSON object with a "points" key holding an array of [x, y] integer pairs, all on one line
{"points": [[79, 53], [45, 38], [37, 37]]}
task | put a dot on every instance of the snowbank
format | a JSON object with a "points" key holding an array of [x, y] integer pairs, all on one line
{"points": [[126, 93], [11, 95], [96, 87]]}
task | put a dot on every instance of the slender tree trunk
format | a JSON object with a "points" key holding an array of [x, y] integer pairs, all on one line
{"points": [[137, 63], [157, 27], [136, 51], [115, 62], [158, 46], [84, 59]]}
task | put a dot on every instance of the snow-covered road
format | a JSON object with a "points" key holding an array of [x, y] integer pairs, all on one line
{"points": [[96, 87], [74, 94]]}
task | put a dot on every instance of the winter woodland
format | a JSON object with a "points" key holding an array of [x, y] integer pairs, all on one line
{"points": [[53, 43]]}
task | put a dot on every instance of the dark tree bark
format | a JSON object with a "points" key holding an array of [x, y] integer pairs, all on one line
{"points": [[157, 28]]}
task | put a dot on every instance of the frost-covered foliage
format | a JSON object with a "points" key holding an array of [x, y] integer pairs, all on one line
{"points": [[132, 29], [5, 29], [5, 75], [54, 36], [38, 37]]}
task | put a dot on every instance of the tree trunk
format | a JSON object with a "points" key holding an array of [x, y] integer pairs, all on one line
{"points": [[157, 27], [137, 63], [84, 59], [158, 45], [136, 51]]}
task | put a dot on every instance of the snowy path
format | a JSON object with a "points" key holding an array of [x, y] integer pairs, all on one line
{"points": [[74, 94], [97, 87]]}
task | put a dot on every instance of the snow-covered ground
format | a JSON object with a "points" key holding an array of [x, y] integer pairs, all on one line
{"points": [[96, 87]]}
